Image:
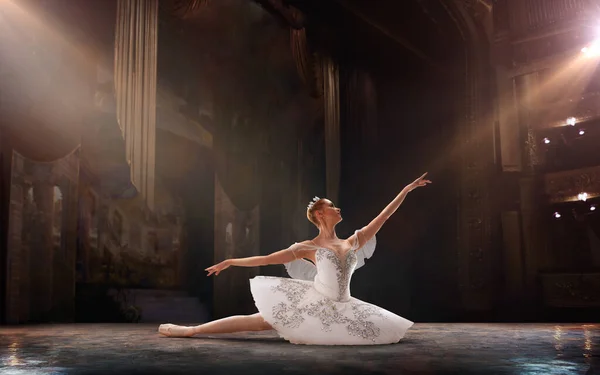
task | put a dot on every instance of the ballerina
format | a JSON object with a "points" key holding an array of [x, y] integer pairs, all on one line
{"points": [[314, 307]]}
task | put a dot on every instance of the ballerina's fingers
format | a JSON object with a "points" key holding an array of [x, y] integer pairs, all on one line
{"points": [[213, 269], [421, 181]]}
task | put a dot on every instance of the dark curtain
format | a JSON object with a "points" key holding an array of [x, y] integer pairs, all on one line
{"points": [[360, 106], [306, 63]]}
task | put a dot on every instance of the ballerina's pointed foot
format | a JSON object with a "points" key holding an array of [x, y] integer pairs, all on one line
{"points": [[172, 330]]}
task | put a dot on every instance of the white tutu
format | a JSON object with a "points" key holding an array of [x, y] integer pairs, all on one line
{"points": [[322, 312], [302, 315]]}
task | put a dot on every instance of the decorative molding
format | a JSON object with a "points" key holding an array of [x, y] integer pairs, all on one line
{"points": [[531, 148], [565, 186]]}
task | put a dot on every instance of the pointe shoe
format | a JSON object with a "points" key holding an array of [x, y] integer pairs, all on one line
{"points": [[172, 330]]}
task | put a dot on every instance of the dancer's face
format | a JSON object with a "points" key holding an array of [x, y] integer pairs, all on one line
{"points": [[328, 213]]}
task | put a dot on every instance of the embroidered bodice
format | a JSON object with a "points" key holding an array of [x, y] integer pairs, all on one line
{"points": [[334, 273]]}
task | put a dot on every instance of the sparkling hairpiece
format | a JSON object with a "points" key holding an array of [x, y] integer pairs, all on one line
{"points": [[312, 203]]}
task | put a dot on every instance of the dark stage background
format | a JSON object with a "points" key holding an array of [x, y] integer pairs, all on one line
{"points": [[261, 105]]}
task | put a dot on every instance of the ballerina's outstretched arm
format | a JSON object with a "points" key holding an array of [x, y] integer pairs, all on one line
{"points": [[369, 231], [296, 251]]}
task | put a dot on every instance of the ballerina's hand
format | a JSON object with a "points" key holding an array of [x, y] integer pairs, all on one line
{"points": [[419, 182], [217, 268]]}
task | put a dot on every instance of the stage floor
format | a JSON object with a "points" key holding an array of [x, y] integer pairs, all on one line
{"points": [[461, 349]]}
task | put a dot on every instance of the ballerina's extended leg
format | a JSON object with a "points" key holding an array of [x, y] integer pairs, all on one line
{"points": [[238, 323]]}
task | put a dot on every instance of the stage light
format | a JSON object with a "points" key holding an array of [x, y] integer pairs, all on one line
{"points": [[546, 140], [557, 215], [593, 207], [582, 196], [593, 50], [571, 121], [581, 131]]}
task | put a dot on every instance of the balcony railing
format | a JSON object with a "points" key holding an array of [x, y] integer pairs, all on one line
{"points": [[583, 108], [571, 289], [566, 186]]}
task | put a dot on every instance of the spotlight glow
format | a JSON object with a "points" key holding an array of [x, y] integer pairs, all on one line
{"points": [[546, 140], [557, 215], [571, 121], [582, 197], [593, 50], [593, 207], [581, 132]]}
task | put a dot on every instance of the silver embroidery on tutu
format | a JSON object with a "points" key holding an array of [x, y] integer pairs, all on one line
{"points": [[316, 307]]}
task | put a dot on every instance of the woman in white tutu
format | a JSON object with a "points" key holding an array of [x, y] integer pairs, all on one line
{"points": [[315, 306]]}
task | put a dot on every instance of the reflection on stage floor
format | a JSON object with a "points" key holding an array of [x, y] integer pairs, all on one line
{"points": [[461, 349]]}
